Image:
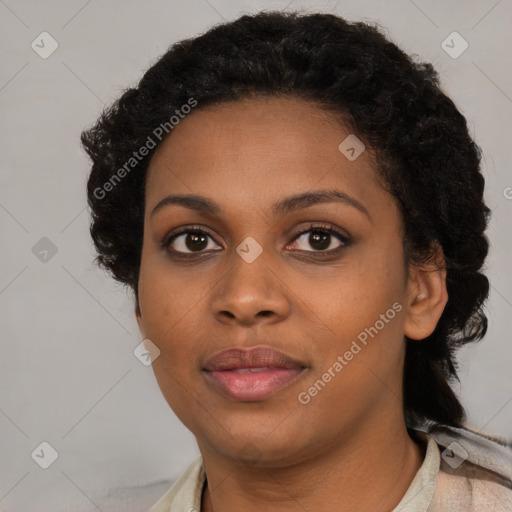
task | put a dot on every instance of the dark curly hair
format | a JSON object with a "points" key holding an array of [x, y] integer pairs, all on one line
{"points": [[425, 157]]}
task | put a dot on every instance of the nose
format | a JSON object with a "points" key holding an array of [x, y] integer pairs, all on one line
{"points": [[251, 293]]}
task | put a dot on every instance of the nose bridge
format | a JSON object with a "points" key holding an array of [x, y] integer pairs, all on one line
{"points": [[250, 270], [250, 288]]}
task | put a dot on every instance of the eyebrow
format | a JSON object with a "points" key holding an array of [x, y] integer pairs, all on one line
{"points": [[282, 207]]}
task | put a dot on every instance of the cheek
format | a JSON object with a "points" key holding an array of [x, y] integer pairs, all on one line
{"points": [[355, 295], [167, 308], [363, 303], [165, 300]]}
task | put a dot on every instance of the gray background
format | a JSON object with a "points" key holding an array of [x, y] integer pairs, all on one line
{"points": [[67, 369]]}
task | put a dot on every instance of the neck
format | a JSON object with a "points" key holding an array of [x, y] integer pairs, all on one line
{"points": [[371, 469]]}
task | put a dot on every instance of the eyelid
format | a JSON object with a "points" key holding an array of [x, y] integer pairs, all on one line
{"points": [[329, 228], [185, 229]]}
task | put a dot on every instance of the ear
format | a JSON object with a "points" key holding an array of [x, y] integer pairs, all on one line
{"points": [[427, 295], [138, 316]]}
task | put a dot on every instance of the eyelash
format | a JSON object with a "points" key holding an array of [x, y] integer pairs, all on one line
{"points": [[322, 228]]}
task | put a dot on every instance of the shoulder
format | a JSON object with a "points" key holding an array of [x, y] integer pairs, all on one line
{"points": [[475, 473], [185, 492]]}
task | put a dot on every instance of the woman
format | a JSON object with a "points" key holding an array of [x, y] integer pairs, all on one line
{"points": [[299, 211]]}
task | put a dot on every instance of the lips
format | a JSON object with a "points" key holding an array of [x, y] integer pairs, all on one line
{"points": [[251, 374]]}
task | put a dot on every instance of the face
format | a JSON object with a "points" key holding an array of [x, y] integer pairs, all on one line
{"points": [[311, 292]]}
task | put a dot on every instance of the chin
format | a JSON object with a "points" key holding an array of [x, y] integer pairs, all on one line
{"points": [[260, 448]]}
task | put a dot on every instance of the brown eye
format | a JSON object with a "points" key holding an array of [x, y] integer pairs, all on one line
{"points": [[190, 242], [320, 239]]}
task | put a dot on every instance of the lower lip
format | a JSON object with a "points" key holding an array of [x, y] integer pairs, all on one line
{"points": [[252, 386]]}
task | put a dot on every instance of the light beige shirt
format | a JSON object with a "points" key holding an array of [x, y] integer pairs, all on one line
{"points": [[462, 472]]}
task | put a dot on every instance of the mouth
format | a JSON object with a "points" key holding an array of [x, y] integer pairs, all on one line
{"points": [[251, 374]]}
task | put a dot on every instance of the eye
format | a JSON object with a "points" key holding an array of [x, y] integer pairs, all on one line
{"points": [[189, 241], [192, 240], [320, 238]]}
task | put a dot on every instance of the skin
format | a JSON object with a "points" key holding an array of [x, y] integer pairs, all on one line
{"points": [[349, 445]]}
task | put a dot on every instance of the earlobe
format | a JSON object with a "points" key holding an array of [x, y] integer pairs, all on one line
{"points": [[427, 297]]}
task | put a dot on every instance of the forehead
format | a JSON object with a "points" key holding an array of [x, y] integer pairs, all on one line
{"points": [[251, 152]]}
